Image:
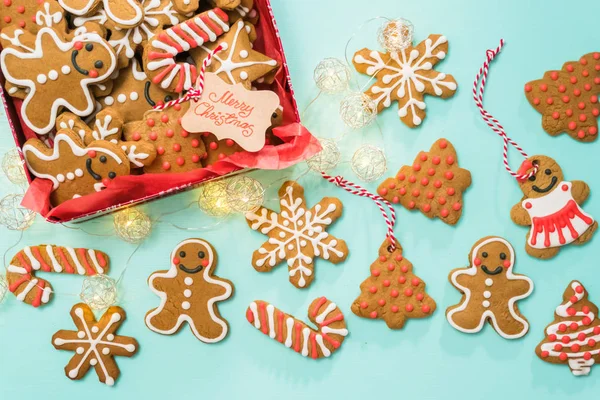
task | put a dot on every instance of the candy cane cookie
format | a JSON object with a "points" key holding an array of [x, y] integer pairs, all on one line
{"points": [[160, 53], [296, 334], [20, 274]]}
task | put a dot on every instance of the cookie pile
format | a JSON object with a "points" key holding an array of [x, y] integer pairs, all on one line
{"points": [[87, 77]]}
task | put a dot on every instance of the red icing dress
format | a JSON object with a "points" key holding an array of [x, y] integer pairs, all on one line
{"points": [[556, 218]]}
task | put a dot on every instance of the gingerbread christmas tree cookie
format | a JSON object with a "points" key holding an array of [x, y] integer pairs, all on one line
{"points": [[434, 184], [568, 99], [297, 234], [573, 338], [393, 292]]}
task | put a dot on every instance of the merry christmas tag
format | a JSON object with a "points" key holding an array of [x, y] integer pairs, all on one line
{"points": [[232, 112]]}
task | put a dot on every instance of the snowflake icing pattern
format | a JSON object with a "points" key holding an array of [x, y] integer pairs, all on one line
{"points": [[297, 234], [407, 76]]}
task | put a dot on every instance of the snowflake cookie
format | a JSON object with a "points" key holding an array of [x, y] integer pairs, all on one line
{"points": [[407, 76], [95, 343], [297, 234]]}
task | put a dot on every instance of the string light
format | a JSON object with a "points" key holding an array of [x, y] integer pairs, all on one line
{"points": [[357, 110], [3, 287], [244, 194], [99, 291], [395, 35], [213, 198], [369, 163], [132, 225], [328, 158], [12, 215], [12, 165], [332, 75]]}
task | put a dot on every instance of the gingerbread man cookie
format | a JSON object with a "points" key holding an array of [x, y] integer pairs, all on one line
{"points": [[189, 292], [552, 207], [57, 73], [490, 291]]}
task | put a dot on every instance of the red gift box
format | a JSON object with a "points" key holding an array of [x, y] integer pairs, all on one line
{"points": [[298, 145]]}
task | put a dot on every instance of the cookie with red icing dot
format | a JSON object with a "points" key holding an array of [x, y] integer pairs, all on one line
{"points": [[568, 99], [433, 184], [392, 292], [20, 13], [573, 338]]}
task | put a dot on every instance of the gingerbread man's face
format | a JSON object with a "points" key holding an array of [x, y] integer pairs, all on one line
{"points": [[192, 257], [545, 180], [104, 166], [87, 58], [492, 258]]}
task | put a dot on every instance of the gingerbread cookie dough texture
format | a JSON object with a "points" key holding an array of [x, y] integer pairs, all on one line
{"points": [[490, 291]]}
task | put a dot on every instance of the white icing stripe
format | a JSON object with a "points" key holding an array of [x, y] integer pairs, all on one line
{"points": [[35, 264], [46, 294], [211, 35], [186, 28], [167, 81], [57, 267], [92, 255], [17, 270], [270, 311], [289, 324], [154, 65], [163, 46], [321, 317], [80, 269], [254, 310], [184, 45], [27, 289], [188, 76], [341, 332], [218, 20], [305, 334], [324, 349]]}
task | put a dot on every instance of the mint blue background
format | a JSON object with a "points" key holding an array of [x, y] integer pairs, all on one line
{"points": [[427, 359]]}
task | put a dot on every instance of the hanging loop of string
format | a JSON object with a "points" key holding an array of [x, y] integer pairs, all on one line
{"points": [[357, 190], [493, 123], [196, 92]]}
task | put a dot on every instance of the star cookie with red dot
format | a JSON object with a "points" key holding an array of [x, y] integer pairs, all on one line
{"points": [[434, 184], [568, 99]]}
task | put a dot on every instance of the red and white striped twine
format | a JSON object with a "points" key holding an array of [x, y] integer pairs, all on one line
{"points": [[196, 92], [492, 122], [357, 190]]}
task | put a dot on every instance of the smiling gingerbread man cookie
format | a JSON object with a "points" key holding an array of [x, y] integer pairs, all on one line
{"points": [[490, 291], [551, 206], [189, 292]]}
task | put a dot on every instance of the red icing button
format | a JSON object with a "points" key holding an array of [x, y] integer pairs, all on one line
{"points": [[417, 167], [592, 130], [412, 179], [382, 258], [528, 88], [444, 212], [565, 99], [166, 166], [401, 177], [7, 19], [593, 99], [398, 257], [195, 143], [420, 296], [176, 260], [373, 289], [442, 200], [528, 205], [416, 193], [93, 73], [424, 181], [449, 175], [184, 133], [543, 87], [176, 147], [425, 308], [402, 191], [408, 292], [136, 136], [564, 188], [449, 160], [456, 206], [382, 191], [106, 182], [391, 267], [582, 117], [581, 134], [554, 75], [569, 112], [411, 204], [436, 160], [92, 153], [423, 157], [572, 125], [573, 80], [414, 281], [450, 191], [431, 172], [386, 283], [430, 195], [214, 145], [506, 263], [549, 100], [562, 88], [409, 307], [576, 92], [373, 314], [394, 293], [581, 105], [426, 208], [78, 45], [404, 269], [437, 184], [571, 311], [381, 302], [401, 280], [164, 118], [180, 161], [394, 309], [169, 133], [364, 304], [395, 199], [153, 136], [150, 122], [536, 101], [443, 144], [375, 272], [477, 262], [392, 186]]}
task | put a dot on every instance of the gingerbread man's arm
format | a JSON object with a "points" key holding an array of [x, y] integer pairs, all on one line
{"points": [[463, 279], [580, 191], [225, 285], [519, 215], [520, 285]]}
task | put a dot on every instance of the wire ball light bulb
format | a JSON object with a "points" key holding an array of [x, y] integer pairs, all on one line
{"points": [[3, 287], [13, 167], [395, 35], [99, 291], [12, 215], [328, 158], [132, 225], [213, 198], [244, 194], [332, 75], [369, 163], [357, 110]]}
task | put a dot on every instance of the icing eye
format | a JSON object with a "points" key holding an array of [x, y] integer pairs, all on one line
{"points": [[98, 64], [274, 115], [112, 175], [168, 98], [548, 172], [201, 254], [532, 178], [89, 47], [502, 256], [182, 254], [102, 159], [484, 254]]}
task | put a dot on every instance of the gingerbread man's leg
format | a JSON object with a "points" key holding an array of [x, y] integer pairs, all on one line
{"points": [[540, 253], [165, 319], [209, 329], [466, 317], [509, 323], [587, 235]]}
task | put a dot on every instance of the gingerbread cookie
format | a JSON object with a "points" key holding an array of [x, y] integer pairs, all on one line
{"points": [[57, 74], [177, 149], [189, 292], [406, 77], [490, 291], [573, 338], [296, 334], [434, 184], [33, 290], [73, 168], [568, 99], [226, 4], [551, 206], [185, 6], [160, 53], [297, 235], [122, 13], [95, 343], [245, 11], [236, 62], [393, 292]]}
